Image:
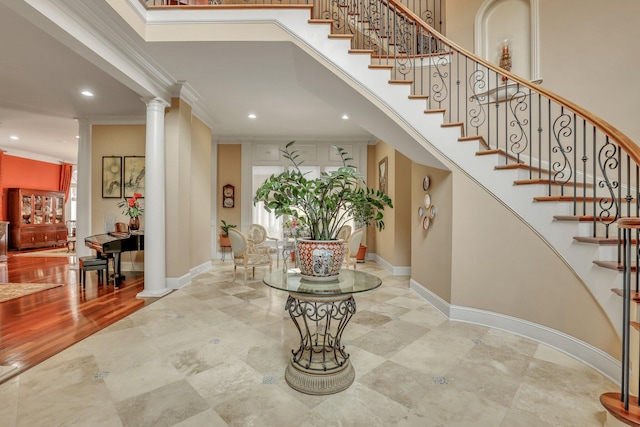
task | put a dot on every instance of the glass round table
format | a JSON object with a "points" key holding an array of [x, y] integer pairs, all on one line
{"points": [[320, 312]]}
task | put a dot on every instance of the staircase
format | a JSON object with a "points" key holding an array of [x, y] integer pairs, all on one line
{"points": [[568, 174]]}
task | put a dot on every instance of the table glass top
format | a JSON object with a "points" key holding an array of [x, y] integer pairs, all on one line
{"points": [[348, 282]]}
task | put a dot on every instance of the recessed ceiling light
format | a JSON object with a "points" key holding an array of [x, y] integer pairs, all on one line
{"points": [[252, 116], [345, 117], [87, 93], [14, 137]]}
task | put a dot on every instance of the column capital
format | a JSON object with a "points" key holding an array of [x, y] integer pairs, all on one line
{"points": [[154, 101]]}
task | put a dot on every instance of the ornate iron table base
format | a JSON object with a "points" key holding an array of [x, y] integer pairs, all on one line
{"points": [[320, 365]]}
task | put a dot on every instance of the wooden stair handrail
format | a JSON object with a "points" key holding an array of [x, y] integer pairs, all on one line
{"points": [[630, 147]]}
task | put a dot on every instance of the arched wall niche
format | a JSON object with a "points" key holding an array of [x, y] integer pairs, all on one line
{"points": [[515, 21]]}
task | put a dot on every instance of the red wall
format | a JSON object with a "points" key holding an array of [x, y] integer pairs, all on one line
{"points": [[18, 172]]}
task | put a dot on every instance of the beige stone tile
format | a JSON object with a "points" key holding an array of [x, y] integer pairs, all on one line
{"points": [[488, 372], [559, 394], [224, 379], [363, 361], [510, 342], [391, 310], [370, 319], [464, 330], [57, 373], [359, 405], [424, 316], [434, 353], [516, 418], [208, 418], [122, 350], [9, 393], [141, 379], [163, 406], [83, 404], [549, 354], [407, 301], [259, 405]]}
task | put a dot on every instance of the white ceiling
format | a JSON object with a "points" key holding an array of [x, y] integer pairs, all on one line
{"points": [[42, 79]]}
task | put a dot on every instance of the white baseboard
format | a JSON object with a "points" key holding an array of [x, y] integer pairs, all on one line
{"points": [[184, 280], [393, 269], [579, 350]]}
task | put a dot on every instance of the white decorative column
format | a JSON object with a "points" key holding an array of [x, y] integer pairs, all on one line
{"points": [[83, 207], [155, 281]]}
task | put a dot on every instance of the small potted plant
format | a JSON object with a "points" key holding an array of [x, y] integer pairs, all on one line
{"points": [[324, 205], [224, 235], [131, 207]]}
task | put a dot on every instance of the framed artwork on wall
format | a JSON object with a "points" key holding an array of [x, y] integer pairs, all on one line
{"points": [[383, 174], [133, 175], [111, 177]]}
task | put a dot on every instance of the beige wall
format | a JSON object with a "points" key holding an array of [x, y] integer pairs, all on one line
{"points": [[188, 184], [202, 170], [431, 250], [111, 140], [229, 172], [587, 53], [501, 265]]}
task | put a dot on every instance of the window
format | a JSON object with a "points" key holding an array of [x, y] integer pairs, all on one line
{"points": [[259, 215]]}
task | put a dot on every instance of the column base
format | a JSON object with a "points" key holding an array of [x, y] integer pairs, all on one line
{"points": [[315, 383]]}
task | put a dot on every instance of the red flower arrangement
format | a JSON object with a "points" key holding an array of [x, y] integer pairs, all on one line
{"points": [[131, 207]]}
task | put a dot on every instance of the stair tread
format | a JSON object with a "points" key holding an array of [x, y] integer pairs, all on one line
{"points": [[522, 166], [361, 51], [613, 403], [570, 199], [613, 265], [546, 182], [477, 138], [634, 295], [598, 240], [578, 218]]}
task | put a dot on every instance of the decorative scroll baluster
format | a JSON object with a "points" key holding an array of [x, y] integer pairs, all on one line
{"points": [[607, 161]]}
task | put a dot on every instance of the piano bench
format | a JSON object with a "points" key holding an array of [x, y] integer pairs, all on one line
{"points": [[89, 263]]}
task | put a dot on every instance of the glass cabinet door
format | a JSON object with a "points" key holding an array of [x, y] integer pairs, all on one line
{"points": [[48, 210], [25, 209], [59, 207], [37, 210]]}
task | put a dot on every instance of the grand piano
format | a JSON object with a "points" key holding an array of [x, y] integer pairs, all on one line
{"points": [[113, 244]]}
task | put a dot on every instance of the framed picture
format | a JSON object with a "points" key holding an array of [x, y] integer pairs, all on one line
{"points": [[383, 174], [111, 177], [133, 175]]}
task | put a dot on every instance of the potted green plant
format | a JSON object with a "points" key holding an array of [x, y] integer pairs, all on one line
{"points": [[324, 205], [224, 235]]}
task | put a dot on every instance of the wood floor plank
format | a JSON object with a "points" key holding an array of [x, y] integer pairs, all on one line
{"points": [[38, 326]]}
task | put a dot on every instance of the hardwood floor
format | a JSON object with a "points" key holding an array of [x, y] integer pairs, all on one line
{"points": [[37, 326]]}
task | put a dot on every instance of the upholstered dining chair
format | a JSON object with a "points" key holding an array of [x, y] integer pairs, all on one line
{"points": [[344, 232], [243, 257], [257, 236], [352, 246]]}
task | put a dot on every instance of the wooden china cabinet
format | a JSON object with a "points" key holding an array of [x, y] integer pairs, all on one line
{"points": [[36, 218]]}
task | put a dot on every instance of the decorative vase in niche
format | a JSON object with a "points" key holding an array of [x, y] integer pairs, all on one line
{"points": [[320, 260], [134, 223]]}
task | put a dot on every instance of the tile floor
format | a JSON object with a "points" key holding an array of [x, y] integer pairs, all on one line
{"points": [[214, 354]]}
